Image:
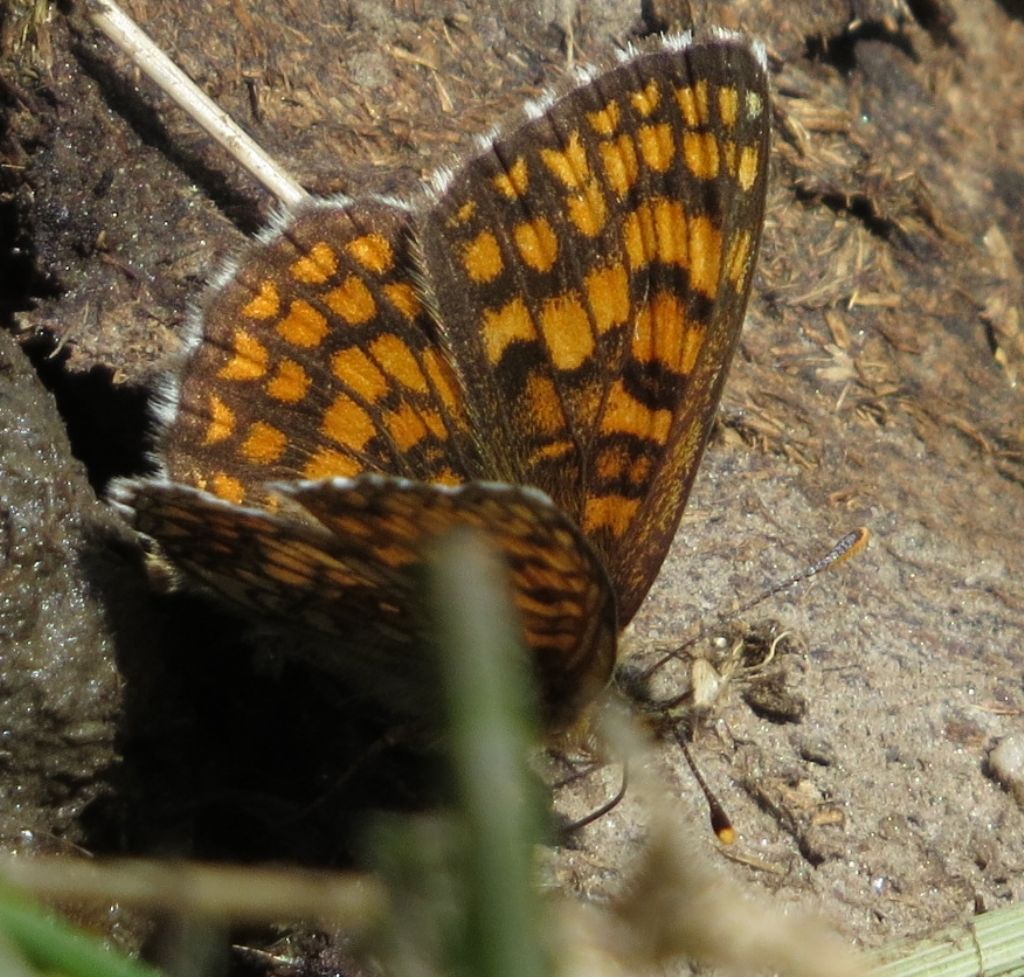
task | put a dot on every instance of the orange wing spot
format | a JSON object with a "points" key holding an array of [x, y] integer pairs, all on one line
{"points": [[249, 361], [729, 149], [406, 427], [588, 211], [266, 304], [647, 99], [400, 524], [746, 172], [657, 146], [372, 252], [222, 421], [534, 606], [705, 255], [738, 262], [303, 326], [637, 233], [518, 545], [327, 463], [228, 488], [567, 331], [435, 423], [609, 296], [621, 164], [662, 334], [670, 226], [569, 165], [611, 463], [552, 578], [444, 380], [537, 243], [356, 526], [693, 104], [510, 324], [317, 266], [624, 414], [445, 476], [515, 181], [566, 562], [358, 372], [290, 576], [303, 559], [403, 297], [656, 231], [553, 610], [463, 215], [545, 407], [700, 150], [563, 643], [398, 362], [728, 105], [639, 473], [265, 444], [553, 451], [611, 512], [605, 122], [290, 384], [482, 259], [346, 423], [394, 555], [186, 522], [353, 301], [342, 577]]}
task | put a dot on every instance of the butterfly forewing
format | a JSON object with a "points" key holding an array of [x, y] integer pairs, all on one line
{"points": [[591, 269]]}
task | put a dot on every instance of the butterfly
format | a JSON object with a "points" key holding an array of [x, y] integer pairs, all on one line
{"points": [[533, 348]]}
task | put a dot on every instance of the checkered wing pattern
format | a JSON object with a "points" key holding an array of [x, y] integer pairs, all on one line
{"points": [[348, 556], [314, 358], [591, 269]]}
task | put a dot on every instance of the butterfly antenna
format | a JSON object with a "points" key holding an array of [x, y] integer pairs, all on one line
{"points": [[721, 823], [849, 546]]}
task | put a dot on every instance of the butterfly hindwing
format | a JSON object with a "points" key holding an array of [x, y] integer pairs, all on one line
{"points": [[347, 557], [315, 358]]}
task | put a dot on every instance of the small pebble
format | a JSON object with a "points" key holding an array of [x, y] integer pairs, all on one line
{"points": [[1007, 763]]}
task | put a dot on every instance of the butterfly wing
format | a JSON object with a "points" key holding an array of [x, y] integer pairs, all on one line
{"points": [[590, 270], [345, 558], [313, 357]]}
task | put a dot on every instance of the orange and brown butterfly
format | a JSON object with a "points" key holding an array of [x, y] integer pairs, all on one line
{"points": [[535, 348]]}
